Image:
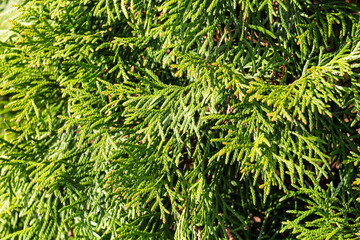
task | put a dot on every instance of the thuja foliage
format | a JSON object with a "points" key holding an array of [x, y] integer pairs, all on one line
{"points": [[191, 119]]}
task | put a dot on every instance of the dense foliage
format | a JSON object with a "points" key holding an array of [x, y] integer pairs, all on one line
{"points": [[191, 119]]}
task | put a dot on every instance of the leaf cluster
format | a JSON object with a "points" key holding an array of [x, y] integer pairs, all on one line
{"points": [[166, 119]]}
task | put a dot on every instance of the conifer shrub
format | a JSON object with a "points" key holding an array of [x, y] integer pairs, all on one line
{"points": [[191, 119]]}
